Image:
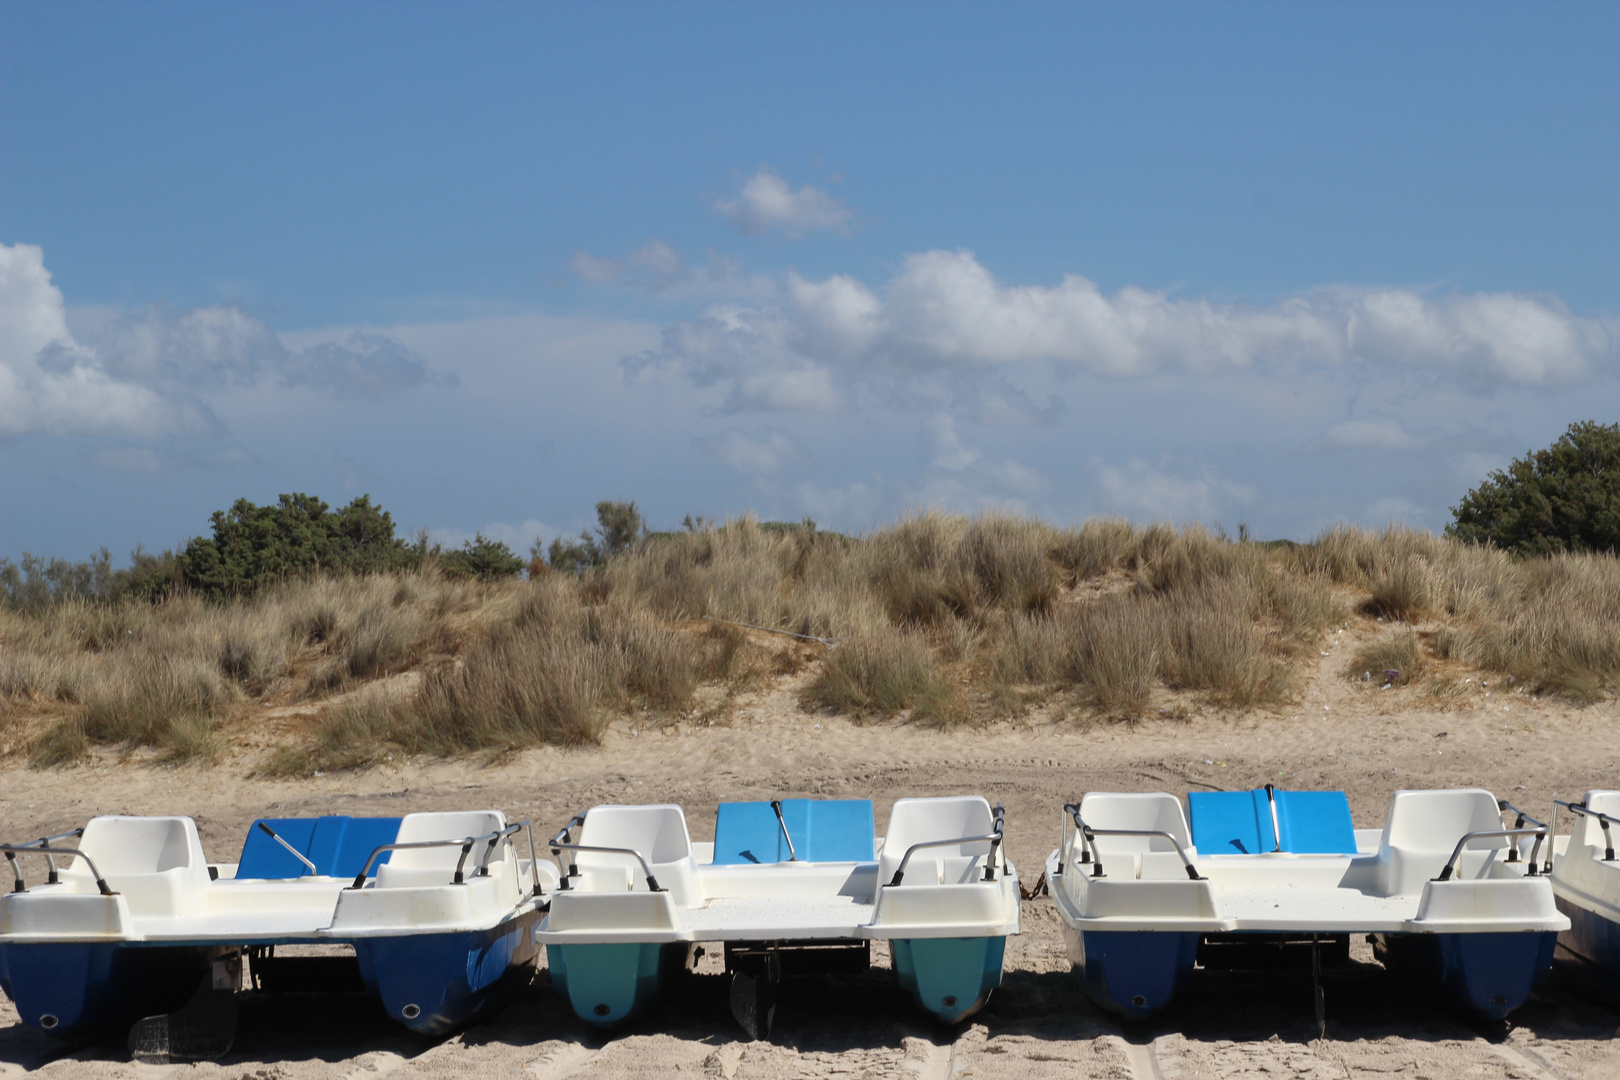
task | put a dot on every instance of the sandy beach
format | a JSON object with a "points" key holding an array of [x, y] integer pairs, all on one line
{"points": [[1336, 734]]}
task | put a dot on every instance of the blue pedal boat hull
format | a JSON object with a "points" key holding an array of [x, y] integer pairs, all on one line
{"points": [[609, 985], [949, 977], [1589, 951], [80, 991], [1133, 973], [1489, 974], [436, 983]]}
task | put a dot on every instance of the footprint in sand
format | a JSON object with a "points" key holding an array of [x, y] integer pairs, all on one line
{"points": [[562, 1060]]}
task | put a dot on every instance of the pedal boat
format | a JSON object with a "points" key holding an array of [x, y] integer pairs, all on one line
{"points": [[1444, 891], [788, 887], [135, 922], [1586, 884]]}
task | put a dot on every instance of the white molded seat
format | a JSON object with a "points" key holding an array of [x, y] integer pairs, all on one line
{"points": [[658, 833], [916, 821], [1591, 829], [1422, 829], [1158, 812], [156, 862], [429, 866]]}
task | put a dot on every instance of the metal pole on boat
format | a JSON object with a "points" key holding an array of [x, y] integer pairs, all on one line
{"points": [[294, 852], [1276, 830], [776, 804]]}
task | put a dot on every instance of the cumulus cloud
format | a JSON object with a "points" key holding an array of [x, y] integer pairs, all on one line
{"points": [[1375, 434], [945, 312], [767, 204], [1141, 488], [51, 384], [144, 374], [755, 455]]}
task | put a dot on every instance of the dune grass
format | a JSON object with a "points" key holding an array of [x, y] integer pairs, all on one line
{"points": [[938, 619]]}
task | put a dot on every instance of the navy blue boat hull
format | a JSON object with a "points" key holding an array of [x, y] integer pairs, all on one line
{"points": [[1490, 974], [1590, 950], [436, 983], [1132, 972], [80, 991]]}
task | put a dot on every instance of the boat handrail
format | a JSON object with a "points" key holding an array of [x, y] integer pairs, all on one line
{"points": [[52, 878], [1090, 833], [39, 847], [776, 805], [466, 843], [562, 842], [1603, 820], [993, 837], [1456, 853], [1513, 852]]}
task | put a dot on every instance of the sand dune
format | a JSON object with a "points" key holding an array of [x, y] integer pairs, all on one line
{"points": [[1337, 734]]}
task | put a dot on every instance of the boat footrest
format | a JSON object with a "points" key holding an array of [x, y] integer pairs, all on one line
{"points": [[272, 974], [790, 958], [1270, 952]]}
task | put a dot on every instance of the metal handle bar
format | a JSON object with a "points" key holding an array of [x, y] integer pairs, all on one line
{"points": [[776, 804], [465, 843], [53, 877], [294, 852], [1091, 834], [561, 843], [1513, 852], [38, 848], [993, 839], [652, 882], [1456, 853], [1603, 820], [1276, 828]]}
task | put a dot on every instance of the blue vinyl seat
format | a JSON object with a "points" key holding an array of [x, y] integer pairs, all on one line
{"points": [[823, 830], [338, 846], [1239, 822]]}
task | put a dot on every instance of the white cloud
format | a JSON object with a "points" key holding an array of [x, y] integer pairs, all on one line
{"points": [[948, 451], [656, 268], [753, 455], [1378, 434], [767, 204], [145, 374], [51, 384], [946, 312], [1139, 487]]}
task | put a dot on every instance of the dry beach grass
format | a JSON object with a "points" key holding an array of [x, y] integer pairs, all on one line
{"points": [[940, 620], [995, 655]]}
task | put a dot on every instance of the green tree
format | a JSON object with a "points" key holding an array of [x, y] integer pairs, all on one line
{"points": [[619, 527], [297, 536], [1563, 498], [482, 558]]}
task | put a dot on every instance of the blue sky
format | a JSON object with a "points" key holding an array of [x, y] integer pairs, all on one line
{"points": [[1283, 265]]}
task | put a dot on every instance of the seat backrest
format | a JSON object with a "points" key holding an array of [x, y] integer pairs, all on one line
{"points": [[1132, 810], [1591, 829], [917, 821], [416, 828], [1423, 828], [1436, 820], [1239, 822], [823, 830], [1230, 822], [142, 845], [658, 833], [338, 846], [1315, 822]]}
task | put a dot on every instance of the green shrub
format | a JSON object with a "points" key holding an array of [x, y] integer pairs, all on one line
{"points": [[1563, 498]]}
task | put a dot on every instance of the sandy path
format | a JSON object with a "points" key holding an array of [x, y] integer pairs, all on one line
{"points": [[1338, 734]]}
